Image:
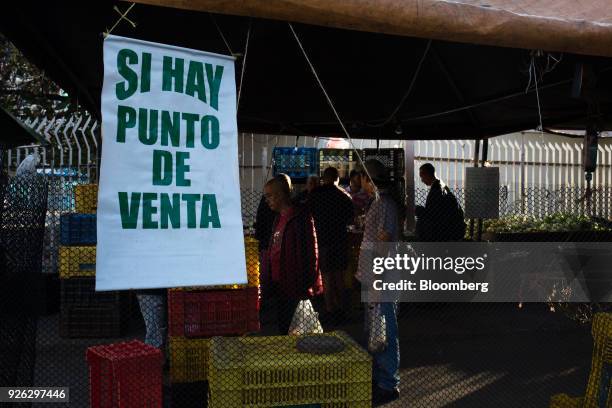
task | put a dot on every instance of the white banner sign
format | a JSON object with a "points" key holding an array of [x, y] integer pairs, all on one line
{"points": [[169, 196]]}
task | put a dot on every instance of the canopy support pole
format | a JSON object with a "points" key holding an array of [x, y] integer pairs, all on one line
{"points": [[485, 151], [476, 159], [410, 187]]}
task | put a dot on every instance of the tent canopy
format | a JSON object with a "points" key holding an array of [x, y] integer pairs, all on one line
{"points": [[580, 27], [462, 90]]}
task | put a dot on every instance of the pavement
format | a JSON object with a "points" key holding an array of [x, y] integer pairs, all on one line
{"points": [[452, 355]]}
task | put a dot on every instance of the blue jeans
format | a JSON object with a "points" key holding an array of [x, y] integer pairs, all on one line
{"points": [[153, 309], [385, 373]]}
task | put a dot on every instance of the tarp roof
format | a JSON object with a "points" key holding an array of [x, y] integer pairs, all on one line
{"points": [[14, 132], [463, 90], [580, 27]]}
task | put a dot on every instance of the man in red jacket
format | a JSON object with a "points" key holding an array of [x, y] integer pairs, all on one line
{"points": [[292, 251]]}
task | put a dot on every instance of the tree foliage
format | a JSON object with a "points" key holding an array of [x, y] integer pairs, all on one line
{"points": [[25, 90]]}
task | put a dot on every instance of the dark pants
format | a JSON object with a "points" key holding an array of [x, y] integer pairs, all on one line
{"points": [[333, 281], [285, 308], [333, 261]]}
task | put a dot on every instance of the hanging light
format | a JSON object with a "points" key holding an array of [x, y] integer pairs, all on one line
{"points": [[399, 130], [398, 127]]}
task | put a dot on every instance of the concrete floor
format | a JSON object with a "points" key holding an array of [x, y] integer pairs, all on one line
{"points": [[461, 355]]}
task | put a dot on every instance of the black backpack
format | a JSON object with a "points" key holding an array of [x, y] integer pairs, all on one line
{"points": [[455, 225]]}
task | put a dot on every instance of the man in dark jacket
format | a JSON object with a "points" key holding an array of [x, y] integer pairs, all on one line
{"points": [[263, 224], [441, 219], [332, 210], [312, 182], [292, 253]]}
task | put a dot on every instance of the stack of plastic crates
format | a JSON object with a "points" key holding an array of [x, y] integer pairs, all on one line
{"points": [[297, 162], [125, 375], [196, 314], [271, 371], [598, 393], [83, 311], [392, 159], [565, 401], [344, 160]]}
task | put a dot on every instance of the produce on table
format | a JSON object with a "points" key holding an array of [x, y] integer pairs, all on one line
{"points": [[551, 223]]}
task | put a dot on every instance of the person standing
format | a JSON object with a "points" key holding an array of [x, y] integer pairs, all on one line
{"points": [[312, 183], [382, 221], [360, 198], [263, 224], [152, 304], [292, 252], [263, 231], [332, 210], [441, 219]]}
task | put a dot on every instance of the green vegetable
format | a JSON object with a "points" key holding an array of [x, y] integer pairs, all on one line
{"points": [[550, 223]]}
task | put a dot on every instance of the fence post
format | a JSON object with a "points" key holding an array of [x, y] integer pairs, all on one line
{"points": [[410, 184], [476, 158], [523, 173], [485, 152], [87, 147]]}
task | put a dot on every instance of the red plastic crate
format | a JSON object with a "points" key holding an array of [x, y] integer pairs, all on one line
{"points": [[125, 375], [203, 313]]}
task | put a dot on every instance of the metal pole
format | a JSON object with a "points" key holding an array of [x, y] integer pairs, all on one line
{"points": [[590, 150], [523, 173], [485, 151], [409, 182], [587, 195], [3, 183], [476, 157]]}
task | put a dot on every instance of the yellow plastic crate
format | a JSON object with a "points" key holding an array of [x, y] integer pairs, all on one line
{"points": [[188, 359], [302, 394], [350, 404], [602, 355], [77, 261], [270, 371], [602, 325], [565, 401], [251, 246], [86, 198], [252, 260]]}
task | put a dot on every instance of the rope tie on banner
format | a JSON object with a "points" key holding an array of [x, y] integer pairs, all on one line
{"points": [[331, 104], [122, 16], [236, 55], [221, 34]]}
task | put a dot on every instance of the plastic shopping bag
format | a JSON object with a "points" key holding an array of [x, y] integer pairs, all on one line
{"points": [[305, 320], [377, 329]]}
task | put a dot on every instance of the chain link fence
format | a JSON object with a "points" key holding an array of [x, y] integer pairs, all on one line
{"points": [[229, 346], [23, 206], [539, 202]]}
